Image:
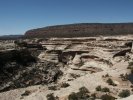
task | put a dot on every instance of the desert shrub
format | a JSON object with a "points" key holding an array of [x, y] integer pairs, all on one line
{"points": [[74, 75], [105, 89], [93, 96], [131, 86], [78, 96], [128, 67], [124, 77], [121, 75], [83, 90], [131, 70], [64, 85], [26, 93], [73, 96], [81, 95], [51, 97], [110, 82], [124, 93], [132, 90], [107, 75], [52, 88], [130, 64], [98, 88], [107, 97]]}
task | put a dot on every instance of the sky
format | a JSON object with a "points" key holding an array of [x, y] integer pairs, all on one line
{"points": [[18, 16]]}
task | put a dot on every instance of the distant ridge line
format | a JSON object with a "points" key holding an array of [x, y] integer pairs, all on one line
{"points": [[82, 30], [83, 24]]}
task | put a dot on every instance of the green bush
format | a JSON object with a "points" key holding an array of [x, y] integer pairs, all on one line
{"points": [[105, 89], [51, 97], [26, 93], [78, 96], [74, 75], [124, 93], [110, 82], [93, 96], [130, 64], [52, 88], [64, 85], [81, 95], [107, 75], [124, 77], [73, 96], [83, 90], [98, 88], [107, 97]]}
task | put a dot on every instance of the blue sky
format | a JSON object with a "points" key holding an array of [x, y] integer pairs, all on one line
{"points": [[18, 16]]}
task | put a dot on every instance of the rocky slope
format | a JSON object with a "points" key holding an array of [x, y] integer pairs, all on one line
{"points": [[83, 68], [19, 69], [82, 30]]}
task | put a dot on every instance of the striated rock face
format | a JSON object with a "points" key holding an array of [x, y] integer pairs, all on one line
{"points": [[65, 67], [82, 30]]}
